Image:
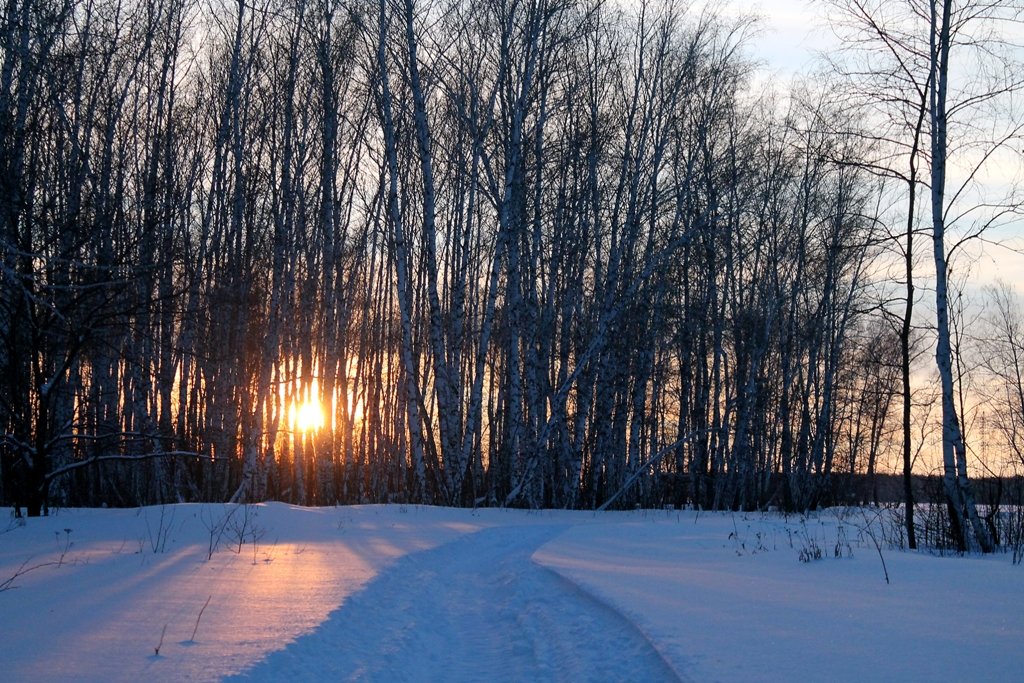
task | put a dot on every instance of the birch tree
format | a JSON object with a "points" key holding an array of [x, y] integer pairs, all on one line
{"points": [[900, 71]]}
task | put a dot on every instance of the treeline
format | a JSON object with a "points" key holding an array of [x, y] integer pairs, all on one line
{"points": [[521, 252]]}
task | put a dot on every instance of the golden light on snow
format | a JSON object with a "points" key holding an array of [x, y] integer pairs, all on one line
{"points": [[307, 417]]}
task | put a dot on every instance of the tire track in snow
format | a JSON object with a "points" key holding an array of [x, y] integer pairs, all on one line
{"points": [[475, 609]]}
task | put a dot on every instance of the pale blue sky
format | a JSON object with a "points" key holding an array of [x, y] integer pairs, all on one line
{"points": [[792, 32]]}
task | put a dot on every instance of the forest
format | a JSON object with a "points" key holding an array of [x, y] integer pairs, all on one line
{"points": [[532, 253]]}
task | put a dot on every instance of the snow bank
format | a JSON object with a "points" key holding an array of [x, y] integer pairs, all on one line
{"points": [[725, 598]]}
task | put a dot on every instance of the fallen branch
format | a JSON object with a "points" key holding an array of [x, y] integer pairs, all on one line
{"points": [[70, 467], [651, 463]]}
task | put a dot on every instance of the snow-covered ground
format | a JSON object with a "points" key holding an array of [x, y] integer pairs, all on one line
{"points": [[407, 593]]}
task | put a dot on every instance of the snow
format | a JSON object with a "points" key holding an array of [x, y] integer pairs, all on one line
{"points": [[732, 613], [407, 593]]}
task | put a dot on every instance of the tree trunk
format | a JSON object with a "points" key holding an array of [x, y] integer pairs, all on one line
{"points": [[957, 485]]}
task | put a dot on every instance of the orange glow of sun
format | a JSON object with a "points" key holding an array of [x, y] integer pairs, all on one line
{"points": [[307, 417]]}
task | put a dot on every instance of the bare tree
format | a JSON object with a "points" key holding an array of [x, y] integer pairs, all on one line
{"points": [[1002, 347], [898, 65]]}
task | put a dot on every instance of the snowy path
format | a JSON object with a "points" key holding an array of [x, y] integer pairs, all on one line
{"points": [[475, 609]]}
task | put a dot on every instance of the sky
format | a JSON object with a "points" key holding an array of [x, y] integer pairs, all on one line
{"points": [[793, 33]]}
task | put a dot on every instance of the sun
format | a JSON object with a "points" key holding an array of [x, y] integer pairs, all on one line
{"points": [[307, 417]]}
